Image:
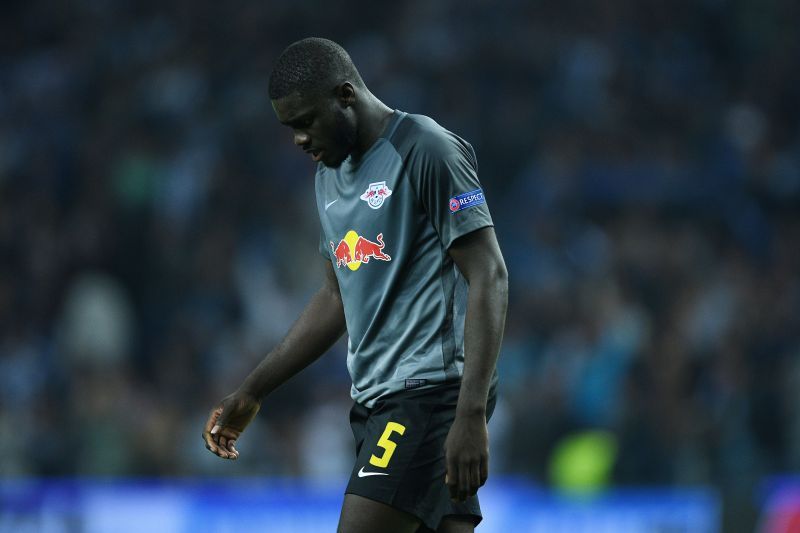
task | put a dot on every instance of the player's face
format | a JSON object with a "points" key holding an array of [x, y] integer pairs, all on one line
{"points": [[324, 127]]}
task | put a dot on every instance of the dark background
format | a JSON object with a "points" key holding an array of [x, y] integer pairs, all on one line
{"points": [[158, 231]]}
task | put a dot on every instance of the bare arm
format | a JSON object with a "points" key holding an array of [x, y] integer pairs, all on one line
{"points": [[319, 326], [478, 257]]}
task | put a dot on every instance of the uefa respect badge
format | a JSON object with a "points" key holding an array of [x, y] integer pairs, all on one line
{"points": [[466, 200]]}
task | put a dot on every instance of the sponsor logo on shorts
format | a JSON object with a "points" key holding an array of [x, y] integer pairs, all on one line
{"points": [[466, 200], [361, 473]]}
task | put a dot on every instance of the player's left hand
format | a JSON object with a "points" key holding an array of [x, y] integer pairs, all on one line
{"points": [[467, 456]]}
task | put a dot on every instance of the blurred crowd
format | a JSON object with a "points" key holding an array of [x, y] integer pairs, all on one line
{"points": [[158, 229]]}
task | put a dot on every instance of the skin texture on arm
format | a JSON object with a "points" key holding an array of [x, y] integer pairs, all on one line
{"points": [[478, 257], [319, 326]]}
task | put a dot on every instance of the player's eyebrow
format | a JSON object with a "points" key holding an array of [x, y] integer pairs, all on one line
{"points": [[297, 119]]}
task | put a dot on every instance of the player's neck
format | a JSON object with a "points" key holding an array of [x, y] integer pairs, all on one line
{"points": [[372, 123]]}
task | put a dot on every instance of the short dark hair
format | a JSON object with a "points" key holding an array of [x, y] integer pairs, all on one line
{"points": [[309, 66]]}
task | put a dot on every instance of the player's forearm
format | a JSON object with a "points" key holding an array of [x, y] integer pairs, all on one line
{"points": [[319, 326], [483, 334]]}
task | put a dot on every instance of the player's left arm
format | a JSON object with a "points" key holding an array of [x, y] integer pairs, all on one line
{"points": [[477, 255]]}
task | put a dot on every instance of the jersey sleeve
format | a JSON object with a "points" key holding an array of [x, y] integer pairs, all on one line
{"points": [[444, 171]]}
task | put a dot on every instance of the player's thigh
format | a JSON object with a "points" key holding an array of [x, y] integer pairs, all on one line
{"points": [[452, 524], [362, 515]]}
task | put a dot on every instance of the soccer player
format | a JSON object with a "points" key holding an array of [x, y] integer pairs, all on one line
{"points": [[416, 279]]}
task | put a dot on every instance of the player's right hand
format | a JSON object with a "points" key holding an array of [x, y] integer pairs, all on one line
{"points": [[226, 423]]}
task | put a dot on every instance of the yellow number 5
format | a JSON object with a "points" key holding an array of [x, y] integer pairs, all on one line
{"points": [[387, 445]]}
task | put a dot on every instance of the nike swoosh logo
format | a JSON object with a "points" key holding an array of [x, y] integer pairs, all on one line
{"points": [[361, 473], [328, 204]]}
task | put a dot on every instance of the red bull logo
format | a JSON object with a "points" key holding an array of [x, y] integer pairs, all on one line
{"points": [[354, 249]]}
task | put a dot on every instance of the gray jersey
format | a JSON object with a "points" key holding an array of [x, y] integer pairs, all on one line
{"points": [[387, 223]]}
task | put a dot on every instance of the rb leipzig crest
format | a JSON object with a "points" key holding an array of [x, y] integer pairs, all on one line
{"points": [[376, 193]]}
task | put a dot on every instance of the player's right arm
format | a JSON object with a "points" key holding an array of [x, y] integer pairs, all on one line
{"points": [[319, 326]]}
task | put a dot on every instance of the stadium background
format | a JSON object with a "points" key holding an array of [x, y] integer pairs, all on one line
{"points": [[641, 160]]}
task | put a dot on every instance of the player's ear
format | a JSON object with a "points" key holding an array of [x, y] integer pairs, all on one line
{"points": [[346, 94]]}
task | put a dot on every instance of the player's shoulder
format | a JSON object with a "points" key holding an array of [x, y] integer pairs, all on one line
{"points": [[424, 125], [421, 134]]}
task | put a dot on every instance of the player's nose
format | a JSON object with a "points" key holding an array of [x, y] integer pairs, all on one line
{"points": [[301, 138]]}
